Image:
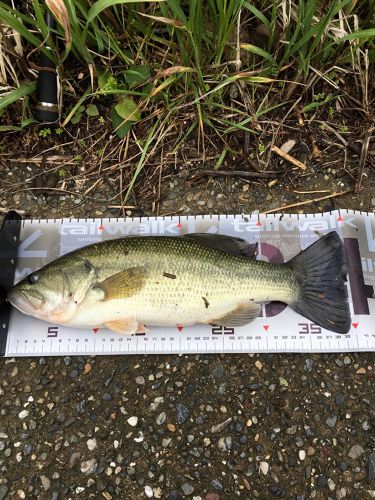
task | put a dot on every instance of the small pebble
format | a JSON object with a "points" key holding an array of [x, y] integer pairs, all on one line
{"points": [[91, 444], [161, 418], [263, 467], [331, 421], [166, 442], [149, 492], [182, 413], [356, 451], [89, 466], [46, 483], [225, 443], [133, 421], [23, 414], [322, 481], [217, 484], [343, 466], [187, 489], [331, 484]]}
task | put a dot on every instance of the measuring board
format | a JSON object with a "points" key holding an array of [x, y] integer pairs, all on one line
{"points": [[277, 329]]}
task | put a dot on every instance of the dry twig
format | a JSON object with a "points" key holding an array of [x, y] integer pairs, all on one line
{"points": [[307, 202], [289, 158], [362, 160], [241, 173]]}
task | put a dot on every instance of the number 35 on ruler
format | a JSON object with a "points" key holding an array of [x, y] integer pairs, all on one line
{"points": [[309, 328]]}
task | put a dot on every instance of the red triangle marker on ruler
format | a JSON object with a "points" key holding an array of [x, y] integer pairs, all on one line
{"points": [[355, 325], [339, 218], [101, 228], [258, 223], [266, 327], [95, 330], [179, 328], [179, 225]]}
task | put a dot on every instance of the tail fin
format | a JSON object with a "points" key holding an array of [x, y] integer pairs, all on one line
{"points": [[321, 273]]}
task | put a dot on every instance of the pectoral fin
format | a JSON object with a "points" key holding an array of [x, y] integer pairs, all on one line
{"points": [[241, 315], [123, 284], [125, 326]]}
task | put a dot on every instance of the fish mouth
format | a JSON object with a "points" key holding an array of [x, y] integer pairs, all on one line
{"points": [[28, 303]]}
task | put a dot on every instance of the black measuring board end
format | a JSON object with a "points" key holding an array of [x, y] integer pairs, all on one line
{"points": [[9, 243]]}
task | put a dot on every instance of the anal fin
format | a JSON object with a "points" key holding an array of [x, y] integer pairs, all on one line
{"points": [[241, 315], [123, 326], [142, 329]]}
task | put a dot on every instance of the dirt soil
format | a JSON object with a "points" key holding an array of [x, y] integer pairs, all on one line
{"points": [[204, 427]]}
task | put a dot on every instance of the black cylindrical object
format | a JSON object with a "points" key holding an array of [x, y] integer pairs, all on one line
{"points": [[46, 107]]}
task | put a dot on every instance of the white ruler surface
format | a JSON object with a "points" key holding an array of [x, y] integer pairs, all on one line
{"points": [[278, 329]]}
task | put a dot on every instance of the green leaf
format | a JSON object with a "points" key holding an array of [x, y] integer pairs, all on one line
{"points": [[11, 17], [10, 128], [136, 75], [27, 122], [92, 110], [107, 81], [318, 104], [369, 33], [17, 128], [100, 5], [221, 159], [128, 110], [22, 91], [77, 115], [262, 18], [121, 127], [257, 50], [75, 107], [147, 89]]}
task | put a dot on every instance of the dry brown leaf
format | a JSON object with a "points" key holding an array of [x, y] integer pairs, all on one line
{"points": [[288, 145], [60, 12], [165, 20], [88, 368], [174, 69], [315, 150]]}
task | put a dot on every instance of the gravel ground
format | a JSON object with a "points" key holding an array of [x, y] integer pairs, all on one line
{"points": [[209, 427], [201, 427]]}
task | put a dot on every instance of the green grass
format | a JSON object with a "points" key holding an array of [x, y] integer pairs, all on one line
{"points": [[157, 61]]}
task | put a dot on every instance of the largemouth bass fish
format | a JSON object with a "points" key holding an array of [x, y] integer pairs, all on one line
{"points": [[124, 284]]}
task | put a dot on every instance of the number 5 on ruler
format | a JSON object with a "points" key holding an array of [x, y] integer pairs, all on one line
{"points": [[52, 331]]}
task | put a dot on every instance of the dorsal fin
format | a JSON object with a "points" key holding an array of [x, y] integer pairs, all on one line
{"points": [[229, 244]]}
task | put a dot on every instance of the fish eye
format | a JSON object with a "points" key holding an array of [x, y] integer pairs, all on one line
{"points": [[33, 278]]}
